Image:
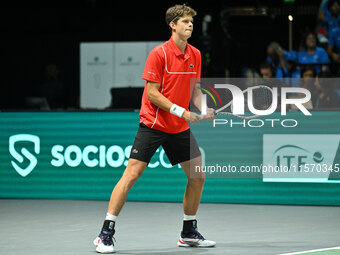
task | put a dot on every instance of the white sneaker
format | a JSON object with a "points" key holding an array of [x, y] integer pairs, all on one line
{"points": [[104, 242], [194, 238], [195, 242]]}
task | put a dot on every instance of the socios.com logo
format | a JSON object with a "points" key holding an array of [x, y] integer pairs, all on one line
{"points": [[99, 156], [74, 156], [24, 152]]}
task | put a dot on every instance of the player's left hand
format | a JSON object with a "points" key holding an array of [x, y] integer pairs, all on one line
{"points": [[209, 116]]}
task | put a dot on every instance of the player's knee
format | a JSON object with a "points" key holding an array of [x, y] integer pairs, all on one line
{"points": [[131, 174], [131, 177], [197, 181], [198, 176]]}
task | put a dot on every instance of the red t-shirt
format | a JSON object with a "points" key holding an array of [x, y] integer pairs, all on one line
{"points": [[167, 65]]}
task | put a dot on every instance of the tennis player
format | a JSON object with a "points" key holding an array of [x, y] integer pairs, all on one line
{"points": [[164, 119]]}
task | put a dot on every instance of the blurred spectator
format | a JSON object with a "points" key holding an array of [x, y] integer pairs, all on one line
{"points": [[252, 75], [321, 27], [307, 81], [328, 18], [334, 49], [323, 11], [308, 75], [274, 60], [289, 74], [327, 96], [53, 89], [334, 43], [267, 70], [332, 17], [268, 74], [312, 54], [275, 54]]}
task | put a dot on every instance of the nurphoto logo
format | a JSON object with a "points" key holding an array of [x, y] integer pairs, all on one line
{"points": [[238, 102], [257, 102]]}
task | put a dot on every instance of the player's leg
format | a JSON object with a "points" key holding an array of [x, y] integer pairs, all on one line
{"points": [[133, 171], [146, 143], [182, 148], [194, 188], [192, 197]]}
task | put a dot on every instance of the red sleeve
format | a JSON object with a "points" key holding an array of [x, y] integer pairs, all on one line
{"points": [[154, 66], [199, 66], [197, 77]]}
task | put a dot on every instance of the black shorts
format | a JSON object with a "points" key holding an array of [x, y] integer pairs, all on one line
{"points": [[178, 147]]}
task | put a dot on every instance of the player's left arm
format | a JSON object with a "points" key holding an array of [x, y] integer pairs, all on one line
{"points": [[197, 101], [196, 96]]}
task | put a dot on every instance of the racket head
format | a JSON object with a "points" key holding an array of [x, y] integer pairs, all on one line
{"points": [[262, 98]]}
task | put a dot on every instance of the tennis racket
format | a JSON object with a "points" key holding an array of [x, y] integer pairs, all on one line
{"points": [[261, 99]]}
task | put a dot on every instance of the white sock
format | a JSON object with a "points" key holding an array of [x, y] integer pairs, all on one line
{"points": [[189, 217], [110, 217]]}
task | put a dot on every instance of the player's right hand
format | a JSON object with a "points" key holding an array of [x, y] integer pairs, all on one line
{"points": [[191, 117]]}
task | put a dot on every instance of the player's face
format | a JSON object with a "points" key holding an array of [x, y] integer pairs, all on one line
{"points": [[184, 27]]}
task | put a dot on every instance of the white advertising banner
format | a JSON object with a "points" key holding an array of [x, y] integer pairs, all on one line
{"points": [[300, 158], [96, 74], [110, 65]]}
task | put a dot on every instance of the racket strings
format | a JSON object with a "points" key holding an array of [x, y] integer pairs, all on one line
{"points": [[261, 98]]}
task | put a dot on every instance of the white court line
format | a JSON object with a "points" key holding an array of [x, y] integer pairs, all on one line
{"points": [[304, 252]]}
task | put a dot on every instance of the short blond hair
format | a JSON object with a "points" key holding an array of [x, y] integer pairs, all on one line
{"points": [[178, 11]]}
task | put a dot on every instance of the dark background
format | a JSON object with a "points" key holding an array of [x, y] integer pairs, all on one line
{"points": [[35, 34]]}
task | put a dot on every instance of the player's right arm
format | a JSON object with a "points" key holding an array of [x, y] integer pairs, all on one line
{"points": [[155, 97]]}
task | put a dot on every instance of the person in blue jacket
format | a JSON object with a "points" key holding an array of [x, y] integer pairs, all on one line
{"points": [[334, 44], [290, 73], [332, 16], [328, 17], [312, 54]]}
